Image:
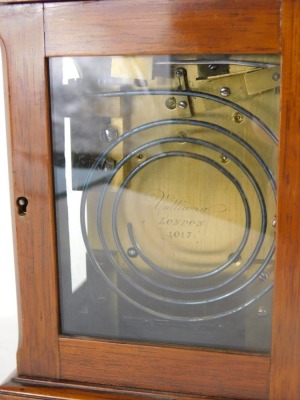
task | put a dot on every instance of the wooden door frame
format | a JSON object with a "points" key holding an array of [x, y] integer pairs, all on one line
{"points": [[32, 32]]}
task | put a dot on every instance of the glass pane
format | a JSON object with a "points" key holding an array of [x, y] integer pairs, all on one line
{"points": [[165, 189]]}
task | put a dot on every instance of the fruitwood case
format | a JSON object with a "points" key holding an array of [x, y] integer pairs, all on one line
{"points": [[54, 366]]}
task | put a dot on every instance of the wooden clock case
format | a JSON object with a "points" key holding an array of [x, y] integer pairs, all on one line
{"points": [[53, 366]]}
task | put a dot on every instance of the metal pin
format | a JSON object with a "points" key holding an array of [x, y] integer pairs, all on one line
{"points": [[182, 136], [238, 118], [140, 156], [224, 159]]}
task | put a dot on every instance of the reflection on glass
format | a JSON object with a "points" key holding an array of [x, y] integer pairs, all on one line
{"points": [[165, 189]]}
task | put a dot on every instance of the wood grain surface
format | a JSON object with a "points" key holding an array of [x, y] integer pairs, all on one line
{"points": [[21, 30], [285, 370], [64, 391], [162, 27], [163, 368]]}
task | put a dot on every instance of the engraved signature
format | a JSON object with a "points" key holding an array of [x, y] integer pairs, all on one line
{"points": [[181, 222], [167, 202]]}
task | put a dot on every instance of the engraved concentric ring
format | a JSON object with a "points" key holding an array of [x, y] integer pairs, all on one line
{"points": [[165, 293]]}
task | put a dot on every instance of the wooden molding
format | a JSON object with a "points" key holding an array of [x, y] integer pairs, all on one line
{"points": [[37, 389], [285, 366], [196, 27], [22, 32]]}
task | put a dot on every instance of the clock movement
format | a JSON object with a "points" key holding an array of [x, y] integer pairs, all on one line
{"points": [[155, 186]]}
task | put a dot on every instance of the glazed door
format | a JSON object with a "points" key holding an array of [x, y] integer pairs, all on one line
{"points": [[165, 184], [163, 122], [165, 172]]}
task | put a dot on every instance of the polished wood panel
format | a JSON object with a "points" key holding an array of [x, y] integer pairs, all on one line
{"points": [[162, 368], [162, 27], [66, 391], [285, 371], [21, 30]]}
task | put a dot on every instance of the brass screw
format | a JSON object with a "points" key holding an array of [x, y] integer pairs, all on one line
{"points": [[180, 72], [182, 104], [225, 91], [263, 276], [261, 312]]}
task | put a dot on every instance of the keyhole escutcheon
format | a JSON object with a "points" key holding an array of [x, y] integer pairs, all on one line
{"points": [[22, 204]]}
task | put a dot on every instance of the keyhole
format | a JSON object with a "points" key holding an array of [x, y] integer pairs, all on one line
{"points": [[22, 203]]}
